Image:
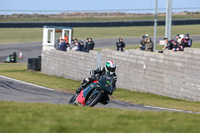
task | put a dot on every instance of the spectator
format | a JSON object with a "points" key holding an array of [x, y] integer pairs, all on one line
{"points": [[57, 44], [187, 38], [81, 46], [182, 44], [181, 36], [175, 46], [75, 45], [72, 44], [142, 46], [168, 44], [148, 44], [177, 37], [89, 45], [147, 36], [66, 38], [63, 45], [120, 44]]}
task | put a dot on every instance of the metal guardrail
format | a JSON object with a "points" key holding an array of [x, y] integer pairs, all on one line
{"points": [[97, 24]]}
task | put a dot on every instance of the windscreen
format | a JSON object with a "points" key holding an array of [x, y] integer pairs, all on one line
{"points": [[106, 82]]}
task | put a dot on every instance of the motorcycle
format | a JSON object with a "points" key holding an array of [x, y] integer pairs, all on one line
{"points": [[10, 60], [94, 92]]}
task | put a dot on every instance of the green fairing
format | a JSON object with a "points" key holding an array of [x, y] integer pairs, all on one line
{"points": [[89, 88], [103, 84]]}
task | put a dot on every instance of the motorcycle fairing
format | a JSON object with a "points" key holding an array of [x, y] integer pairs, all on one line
{"points": [[83, 94], [81, 98]]}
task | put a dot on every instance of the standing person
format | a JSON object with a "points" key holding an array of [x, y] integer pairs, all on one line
{"points": [[81, 46], [57, 44], [187, 38], [93, 44], [63, 45], [142, 46], [66, 38], [148, 44], [89, 45], [177, 37], [120, 44]]}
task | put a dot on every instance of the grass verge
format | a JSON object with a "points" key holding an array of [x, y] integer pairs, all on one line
{"points": [[19, 71], [13, 35], [49, 118]]}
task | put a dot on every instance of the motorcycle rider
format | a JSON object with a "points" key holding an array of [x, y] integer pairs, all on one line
{"points": [[95, 75]]}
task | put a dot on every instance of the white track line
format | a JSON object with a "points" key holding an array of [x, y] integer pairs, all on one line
{"points": [[26, 83], [160, 108]]}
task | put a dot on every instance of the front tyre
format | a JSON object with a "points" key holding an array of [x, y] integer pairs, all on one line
{"points": [[72, 100], [93, 99]]}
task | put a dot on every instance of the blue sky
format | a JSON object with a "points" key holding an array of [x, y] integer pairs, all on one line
{"points": [[91, 4]]}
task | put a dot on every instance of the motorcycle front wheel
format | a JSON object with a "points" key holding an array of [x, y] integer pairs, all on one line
{"points": [[93, 99], [72, 100]]}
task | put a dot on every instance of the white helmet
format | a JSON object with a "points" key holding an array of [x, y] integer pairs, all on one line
{"points": [[110, 67], [181, 36]]}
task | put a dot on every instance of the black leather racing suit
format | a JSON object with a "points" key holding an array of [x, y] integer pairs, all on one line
{"points": [[95, 75]]}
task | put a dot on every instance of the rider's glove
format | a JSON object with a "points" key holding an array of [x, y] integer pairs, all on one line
{"points": [[93, 78]]}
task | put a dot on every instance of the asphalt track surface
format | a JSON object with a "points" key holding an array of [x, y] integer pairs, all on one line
{"points": [[34, 49], [19, 91]]}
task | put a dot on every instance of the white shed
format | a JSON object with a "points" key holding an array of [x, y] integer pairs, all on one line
{"points": [[52, 34]]}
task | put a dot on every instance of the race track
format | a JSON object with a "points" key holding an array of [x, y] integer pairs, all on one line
{"points": [[19, 91]]}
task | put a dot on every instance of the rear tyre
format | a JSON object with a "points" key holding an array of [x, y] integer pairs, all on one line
{"points": [[93, 99], [72, 100]]}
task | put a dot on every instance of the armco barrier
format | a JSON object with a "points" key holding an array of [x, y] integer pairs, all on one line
{"points": [[172, 74], [97, 24]]}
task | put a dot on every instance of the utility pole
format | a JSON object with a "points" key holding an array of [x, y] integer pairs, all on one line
{"points": [[168, 21], [155, 26]]}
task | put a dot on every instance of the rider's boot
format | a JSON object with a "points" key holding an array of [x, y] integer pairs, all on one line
{"points": [[84, 83]]}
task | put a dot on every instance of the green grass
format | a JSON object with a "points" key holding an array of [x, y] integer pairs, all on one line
{"points": [[158, 47], [49, 118], [13, 35], [81, 19], [19, 71]]}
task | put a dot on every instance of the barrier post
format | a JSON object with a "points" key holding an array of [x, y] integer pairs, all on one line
{"points": [[98, 59]]}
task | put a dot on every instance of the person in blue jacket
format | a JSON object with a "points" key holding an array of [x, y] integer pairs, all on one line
{"points": [[63, 46], [187, 38]]}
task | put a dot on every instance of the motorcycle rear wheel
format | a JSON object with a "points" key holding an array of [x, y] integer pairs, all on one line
{"points": [[93, 99]]}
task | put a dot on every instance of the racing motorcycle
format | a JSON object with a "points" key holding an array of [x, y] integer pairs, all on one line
{"points": [[10, 60], [94, 92]]}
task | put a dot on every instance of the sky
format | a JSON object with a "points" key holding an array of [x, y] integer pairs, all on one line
{"points": [[92, 4]]}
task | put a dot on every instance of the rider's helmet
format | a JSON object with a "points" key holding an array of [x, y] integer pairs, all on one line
{"points": [[110, 67]]}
